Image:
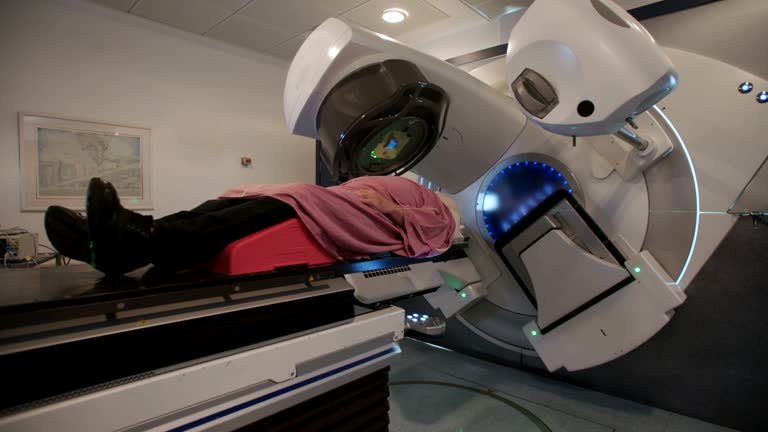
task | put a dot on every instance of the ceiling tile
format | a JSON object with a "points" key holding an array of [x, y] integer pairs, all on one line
{"points": [[420, 13], [196, 16], [247, 32], [287, 50], [230, 5], [122, 5], [297, 16], [494, 8], [460, 18]]}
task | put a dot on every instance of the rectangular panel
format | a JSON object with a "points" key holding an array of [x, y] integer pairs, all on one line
{"points": [[420, 14], [493, 8], [296, 16], [275, 364], [196, 16], [249, 32]]}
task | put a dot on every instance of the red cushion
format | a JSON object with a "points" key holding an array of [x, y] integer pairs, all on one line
{"points": [[286, 244]]}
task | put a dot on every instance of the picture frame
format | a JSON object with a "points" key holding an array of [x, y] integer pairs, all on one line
{"points": [[58, 156]]}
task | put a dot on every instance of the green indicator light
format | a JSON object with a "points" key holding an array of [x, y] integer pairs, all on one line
{"points": [[637, 269], [534, 333], [373, 155], [463, 295], [452, 281]]}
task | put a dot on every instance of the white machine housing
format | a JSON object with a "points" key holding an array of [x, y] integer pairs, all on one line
{"points": [[481, 127], [231, 391], [591, 52], [336, 49]]}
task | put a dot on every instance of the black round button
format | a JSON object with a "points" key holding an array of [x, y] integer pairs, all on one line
{"points": [[586, 108], [762, 97]]}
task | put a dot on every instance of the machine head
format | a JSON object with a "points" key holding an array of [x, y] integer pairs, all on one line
{"points": [[582, 67]]}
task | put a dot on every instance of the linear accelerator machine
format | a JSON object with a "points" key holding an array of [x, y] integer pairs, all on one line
{"points": [[585, 217], [556, 226], [565, 254]]}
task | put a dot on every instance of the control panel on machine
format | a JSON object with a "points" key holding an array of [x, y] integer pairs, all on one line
{"points": [[425, 324]]}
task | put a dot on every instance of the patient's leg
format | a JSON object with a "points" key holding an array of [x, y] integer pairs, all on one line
{"points": [[191, 237], [206, 207], [122, 240]]}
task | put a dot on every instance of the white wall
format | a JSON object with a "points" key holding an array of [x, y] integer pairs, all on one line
{"points": [[732, 31], [206, 103]]}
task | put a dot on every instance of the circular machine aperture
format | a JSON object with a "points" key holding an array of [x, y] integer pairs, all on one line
{"points": [[515, 187]]}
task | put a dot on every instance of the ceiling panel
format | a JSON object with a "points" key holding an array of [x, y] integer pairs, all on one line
{"points": [[420, 14], [494, 8], [296, 16], [460, 18], [196, 16], [247, 32], [280, 26], [287, 50], [123, 5]]}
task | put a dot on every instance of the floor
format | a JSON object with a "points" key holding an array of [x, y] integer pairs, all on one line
{"points": [[433, 389]]}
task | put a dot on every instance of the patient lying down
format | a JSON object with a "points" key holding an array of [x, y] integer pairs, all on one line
{"points": [[358, 218]]}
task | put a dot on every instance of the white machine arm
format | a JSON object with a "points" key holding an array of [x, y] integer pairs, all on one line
{"points": [[587, 67]]}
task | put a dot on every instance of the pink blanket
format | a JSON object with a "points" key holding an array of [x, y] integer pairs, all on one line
{"points": [[349, 229]]}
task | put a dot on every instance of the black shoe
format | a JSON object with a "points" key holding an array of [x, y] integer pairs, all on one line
{"points": [[68, 233], [120, 238]]}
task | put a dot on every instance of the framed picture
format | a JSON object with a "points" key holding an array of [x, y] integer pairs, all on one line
{"points": [[59, 156]]}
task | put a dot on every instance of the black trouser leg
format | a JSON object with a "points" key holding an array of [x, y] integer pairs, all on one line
{"points": [[206, 207], [187, 238]]}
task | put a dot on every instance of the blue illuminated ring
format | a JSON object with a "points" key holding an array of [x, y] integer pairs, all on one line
{"points": [[530, 161]]}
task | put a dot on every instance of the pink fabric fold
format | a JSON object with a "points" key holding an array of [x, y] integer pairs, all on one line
{"points": [[349, 229]]}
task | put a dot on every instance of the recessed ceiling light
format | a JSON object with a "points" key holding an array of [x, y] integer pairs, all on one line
{"points": [[394, 16]]}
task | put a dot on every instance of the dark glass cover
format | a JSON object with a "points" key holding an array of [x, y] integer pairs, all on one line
{"points": [[380, 120]]}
